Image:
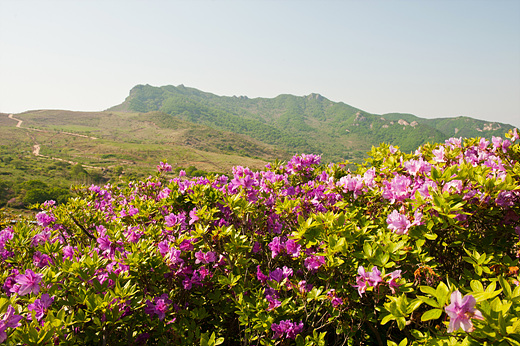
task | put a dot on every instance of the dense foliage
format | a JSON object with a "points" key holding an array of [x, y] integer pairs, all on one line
{"points": [[415, 249]]}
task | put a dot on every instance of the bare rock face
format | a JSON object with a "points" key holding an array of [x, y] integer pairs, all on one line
{"points": [[315, 97], [360, 117], [489, 127], [403, 122]]}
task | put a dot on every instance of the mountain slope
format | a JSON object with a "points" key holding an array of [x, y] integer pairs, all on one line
{"points": [[309, 124]]}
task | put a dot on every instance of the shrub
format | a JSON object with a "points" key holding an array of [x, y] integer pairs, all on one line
{"points": [[415, 249]]}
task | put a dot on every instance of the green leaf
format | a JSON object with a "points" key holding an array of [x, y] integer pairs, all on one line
{"points": [[401, 322], [505, 285], [476, 286], [431, 315], [481, 296], [387, 318]]}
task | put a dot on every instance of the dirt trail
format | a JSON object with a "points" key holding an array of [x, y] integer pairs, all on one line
{"points": [[10, 116], [37, 147]]}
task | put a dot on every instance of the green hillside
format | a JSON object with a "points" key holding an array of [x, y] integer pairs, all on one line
{"points": [[53, 149], [199, 132], [309, 124]]}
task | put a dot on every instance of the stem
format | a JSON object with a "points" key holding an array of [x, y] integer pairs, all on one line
{"points": [[82, 228], [374, 330]]}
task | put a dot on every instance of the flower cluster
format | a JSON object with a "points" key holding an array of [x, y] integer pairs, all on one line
{"points": [[9, 320], [286, 329], [461, 311], [374, 278], [166, 260]]}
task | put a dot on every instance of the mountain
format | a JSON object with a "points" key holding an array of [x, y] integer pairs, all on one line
{"points": [[306, 124]]}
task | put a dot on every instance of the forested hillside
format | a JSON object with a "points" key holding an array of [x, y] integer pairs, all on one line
{"points": [[310, 124]]}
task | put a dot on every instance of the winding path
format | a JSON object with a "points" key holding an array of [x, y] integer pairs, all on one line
{"points": [[36, 146], [10, 116]]}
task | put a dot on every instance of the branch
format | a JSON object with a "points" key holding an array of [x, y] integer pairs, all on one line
{"points": [[82, 228]]}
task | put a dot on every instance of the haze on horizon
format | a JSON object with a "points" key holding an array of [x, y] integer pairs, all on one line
{"points": [[428, 58]]}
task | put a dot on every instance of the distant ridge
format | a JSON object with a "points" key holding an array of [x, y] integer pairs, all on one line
{"points": [[304, 124]]}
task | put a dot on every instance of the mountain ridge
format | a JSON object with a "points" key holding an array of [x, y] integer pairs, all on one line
{"points": [[310, 123]]}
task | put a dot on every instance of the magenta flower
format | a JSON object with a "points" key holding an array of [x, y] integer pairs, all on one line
{"points": [[461, 311], [9, 320], [396, 274], [193, 216], [260, 276], [161, 306], [335, 300], [397, 189], [276, 246], [374, 277], [164, 167], [164, 193], [364, 279], [257, 247], [68, 252], [45, 219], [173, 256], [415, 167], [280, 274], [186, 245], [132, 211], [171, 220], [40, 306], [398, 223], [27, 283], [41, 260], [288, 328], [292, 248], [352, 184], [273, 302], [205, 258], [438, 154], [314, 262]]}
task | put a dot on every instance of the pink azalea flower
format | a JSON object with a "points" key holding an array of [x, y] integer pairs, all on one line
{"points": [[171, 220], [45, 219], [9, 320], [164, 167], [276, 246], [27, 283], [205, 258], [260, 276], [461, 311], [314, 262], [193, 216], [293, 248], [68, 252], [398, 223], [396, 274], [288, 328], [438, 154], [40, 306], [273, 302]]}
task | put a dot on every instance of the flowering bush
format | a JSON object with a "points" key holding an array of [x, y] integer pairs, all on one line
{"points": [[302, 253]]}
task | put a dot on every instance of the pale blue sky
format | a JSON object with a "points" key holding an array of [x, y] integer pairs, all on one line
{"points": [[429, 58]]}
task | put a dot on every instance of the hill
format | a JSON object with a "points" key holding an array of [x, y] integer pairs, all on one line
{"points": [[52, 149], [43, 152], [305, 124]]}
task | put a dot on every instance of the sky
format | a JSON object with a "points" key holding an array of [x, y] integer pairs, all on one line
{"points": [[430, 58]]}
